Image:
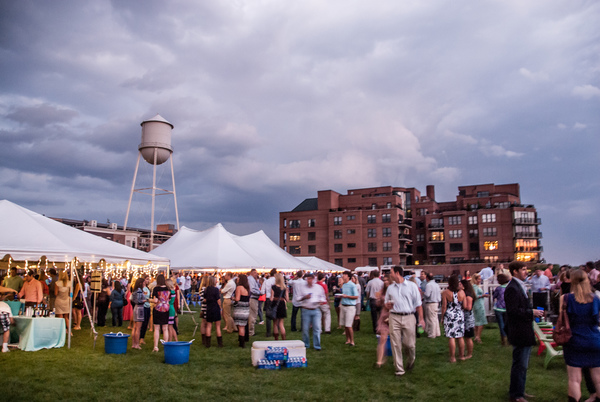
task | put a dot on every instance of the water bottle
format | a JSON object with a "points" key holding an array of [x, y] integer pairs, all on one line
{"points": [[53, 313]]}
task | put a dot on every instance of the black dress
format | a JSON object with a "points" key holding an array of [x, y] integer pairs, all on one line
{"points": [[212, 297], [282, 307], [160, 315]]}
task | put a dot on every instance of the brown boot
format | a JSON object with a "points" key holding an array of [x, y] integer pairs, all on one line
{"points": [[219, 341], [208, 340], [504, 341]]}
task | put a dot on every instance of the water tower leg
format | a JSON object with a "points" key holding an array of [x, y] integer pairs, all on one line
{"points": [[174, 192], [137, 165], [153, 198]]}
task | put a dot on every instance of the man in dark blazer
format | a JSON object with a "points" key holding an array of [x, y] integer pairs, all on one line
{"points": [[519, 329]]}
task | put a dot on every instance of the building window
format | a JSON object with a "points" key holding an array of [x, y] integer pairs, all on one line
{"points": [[419, 225], [351, 245], [488, 218], [312, 223], [371, 218], [371, 232], [294, 236], [337, 234], [472, 220], [295, 250], [483, 194], [312, 236], [490, 245], [351, 231], [437, 223], [284, 237], [420, 250], [437, 236], [473, 233], [312, 249], [456, 260], [388, 205], [372, 262], [387, 260], [456, 247], [351, 217], [372, 247], [454, 220], [285, 223], [351, 260], [422, 211], [338, 248], [490, 258], [386, 218], [387, 246], [455, 234], [489, 232], [339, 261], [386, 232], [294, 224], [373, 206], [337, 220], [473, 246], [420, 237]]}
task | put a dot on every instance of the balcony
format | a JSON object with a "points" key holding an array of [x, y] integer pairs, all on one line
{"points": [[436, 226], [526, 221], [405, 237], [405, 252], [528, 235], [529, 249], [436, 239], [436, 253], [403, 224]]}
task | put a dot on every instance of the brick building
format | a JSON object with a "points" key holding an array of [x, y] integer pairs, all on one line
{"points": [[395, 225], [132, 237]]}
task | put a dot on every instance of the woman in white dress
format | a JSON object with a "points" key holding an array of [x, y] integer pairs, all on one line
{"points": [[61, 291]]}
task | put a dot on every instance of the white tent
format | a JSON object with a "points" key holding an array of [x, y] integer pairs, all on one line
{"points": [[322, 265], [216, 248], [27, 235], [366, 269]]}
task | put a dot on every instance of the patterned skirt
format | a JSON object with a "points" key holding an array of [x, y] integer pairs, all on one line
{"points": [[240, 313]]}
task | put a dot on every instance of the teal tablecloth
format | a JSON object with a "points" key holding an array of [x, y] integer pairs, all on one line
{"points": [[40, 333], [14, 307]]}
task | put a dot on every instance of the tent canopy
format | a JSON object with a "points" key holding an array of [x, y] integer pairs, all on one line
{"points": [[27, 235], [322, 265], [216, 248], [366, 269]]}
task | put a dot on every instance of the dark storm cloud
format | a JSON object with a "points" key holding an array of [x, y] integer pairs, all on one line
{"points": [[273, 101]]}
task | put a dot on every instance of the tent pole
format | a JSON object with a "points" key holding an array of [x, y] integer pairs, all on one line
{"points": [[71, 307]]}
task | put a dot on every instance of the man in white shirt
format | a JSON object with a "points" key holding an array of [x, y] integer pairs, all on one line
{"points": [[373, 289], [227, 293], [296, 284], [403, 299], [266, 290], [431, 300], [486, 273], [540, 284], [312, 295]]}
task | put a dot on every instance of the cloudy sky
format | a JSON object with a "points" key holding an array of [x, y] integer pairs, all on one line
{"points": [[275, 100]]}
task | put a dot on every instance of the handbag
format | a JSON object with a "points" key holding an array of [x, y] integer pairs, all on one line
{"points": [[125, 301], [78, 302], [562, 331]]}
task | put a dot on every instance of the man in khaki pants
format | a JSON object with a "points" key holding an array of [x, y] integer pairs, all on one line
{"points": [[227, 292], [403, 299], [431, 300]]}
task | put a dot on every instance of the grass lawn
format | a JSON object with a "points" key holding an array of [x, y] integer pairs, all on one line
{"points": [[338, 372]]}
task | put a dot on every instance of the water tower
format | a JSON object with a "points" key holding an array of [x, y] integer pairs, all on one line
{"points": [[155, 149]]}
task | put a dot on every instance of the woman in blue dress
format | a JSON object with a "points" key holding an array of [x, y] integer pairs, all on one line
{"points": [[583, 349], [478, 307]]}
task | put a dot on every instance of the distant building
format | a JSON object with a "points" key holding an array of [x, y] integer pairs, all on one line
{"points": [[132, 237], [395, 225]]}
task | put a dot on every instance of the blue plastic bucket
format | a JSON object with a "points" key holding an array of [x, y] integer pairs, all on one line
{"points": [[115, 343], [388, 347], [177, 352]]}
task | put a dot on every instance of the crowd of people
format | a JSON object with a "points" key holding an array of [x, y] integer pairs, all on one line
{"points": [[403, 306]]}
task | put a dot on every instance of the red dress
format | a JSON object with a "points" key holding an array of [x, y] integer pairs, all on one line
{"points": [[128, 310]]}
